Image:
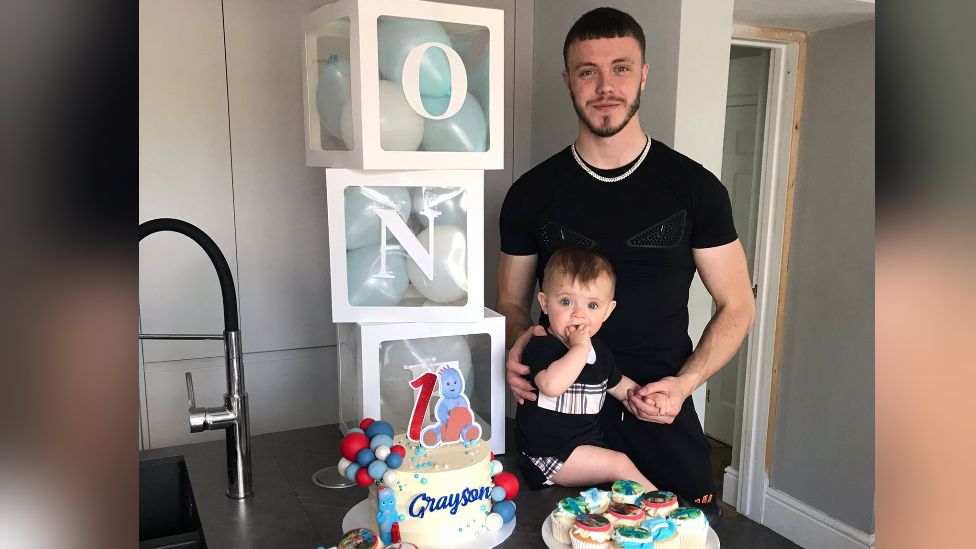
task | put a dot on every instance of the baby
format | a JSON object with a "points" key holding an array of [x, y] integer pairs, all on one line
{"points": [[558, 434]]}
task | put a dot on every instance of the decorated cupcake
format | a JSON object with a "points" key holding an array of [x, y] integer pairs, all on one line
{"points": [[591, 532], [659, 503], [360, 538], [626, 491], [692, 527], [624, 514], [664, 532], [563, 517], [596, 500], [631, 537]]}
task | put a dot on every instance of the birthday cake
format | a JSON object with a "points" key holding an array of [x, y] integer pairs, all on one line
{"points": [[435, 485]]}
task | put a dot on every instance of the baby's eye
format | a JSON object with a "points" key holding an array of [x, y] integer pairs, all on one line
{"points": [[593, 306], [565, 302]]}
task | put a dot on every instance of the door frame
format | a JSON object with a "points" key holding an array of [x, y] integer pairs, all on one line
{"points": [[745, 487]]}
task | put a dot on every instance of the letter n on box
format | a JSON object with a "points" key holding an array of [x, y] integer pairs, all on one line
{"points": [[373, 380], [406, 246]]}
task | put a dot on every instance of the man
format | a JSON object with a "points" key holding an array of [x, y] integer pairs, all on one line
{"points": [[657, 216]]}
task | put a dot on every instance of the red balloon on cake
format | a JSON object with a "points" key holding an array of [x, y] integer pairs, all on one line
{"points": [[352, 444], [363, 478], [398, 449], [365, 423], [508, 482]]}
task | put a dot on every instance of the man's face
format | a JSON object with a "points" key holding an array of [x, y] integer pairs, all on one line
{"points": [[605, 77]]}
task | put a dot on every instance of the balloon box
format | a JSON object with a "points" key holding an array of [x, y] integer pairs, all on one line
{"points": [[378, 361], [403, 85], [406, 246]]}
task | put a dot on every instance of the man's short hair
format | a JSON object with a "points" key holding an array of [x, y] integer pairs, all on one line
{"points": [[581, 266], [603, 23]]}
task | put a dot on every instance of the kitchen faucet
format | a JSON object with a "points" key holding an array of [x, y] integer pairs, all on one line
{"points": [[233, 415]]}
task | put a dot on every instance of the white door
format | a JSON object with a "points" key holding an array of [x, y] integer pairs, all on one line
{"points": [[741, 171]]}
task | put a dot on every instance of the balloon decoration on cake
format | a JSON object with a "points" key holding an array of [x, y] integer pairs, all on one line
{"points": [[369, 456], [502, 496]]}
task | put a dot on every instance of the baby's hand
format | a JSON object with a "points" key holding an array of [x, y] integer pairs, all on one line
{"points": [[578, 335]]}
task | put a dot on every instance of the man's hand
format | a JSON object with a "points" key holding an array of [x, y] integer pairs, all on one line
{"points": [[659, 401], [520, 386]]}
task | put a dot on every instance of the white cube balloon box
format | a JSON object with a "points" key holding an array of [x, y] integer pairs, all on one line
{"points": [[406, 245], [392, 371], [404, 85]]}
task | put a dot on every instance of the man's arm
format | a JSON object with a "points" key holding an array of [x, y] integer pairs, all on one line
{"points": [[725, 275], [516, 282]]}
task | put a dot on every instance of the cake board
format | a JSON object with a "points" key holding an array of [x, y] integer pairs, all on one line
{"points": [[358, 517], [711, 539]]}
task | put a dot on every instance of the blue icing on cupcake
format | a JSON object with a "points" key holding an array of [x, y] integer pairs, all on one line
{"points": [[631, 537], [661, 529]]}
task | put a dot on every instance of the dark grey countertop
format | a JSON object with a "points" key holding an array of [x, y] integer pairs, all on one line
{"points": [[287, 510]]}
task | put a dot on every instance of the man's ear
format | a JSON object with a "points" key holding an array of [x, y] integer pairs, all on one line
{"points": [[566, 80], [542, 302], [610, 307], [643, 76]]}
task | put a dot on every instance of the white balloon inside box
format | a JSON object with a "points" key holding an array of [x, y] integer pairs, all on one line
{"points": [[416, 88], [377, 362], [406, 245]]}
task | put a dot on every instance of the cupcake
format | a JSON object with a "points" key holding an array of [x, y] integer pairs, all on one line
{"points": [[631, 537], [692, 527], [564, 516], [626, 491], [659, 503], [591, 532], [664, 532], [360, 538], [596, 500], [624, 514]]}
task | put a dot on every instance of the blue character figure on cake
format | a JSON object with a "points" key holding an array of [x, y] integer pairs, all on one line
{"points": [[386, 515], [455, 421]]}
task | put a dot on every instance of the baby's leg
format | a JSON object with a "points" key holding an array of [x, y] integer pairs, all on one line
{"points": [[589, 465]]}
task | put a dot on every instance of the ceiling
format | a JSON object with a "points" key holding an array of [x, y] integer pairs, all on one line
{"points": [[805, 15]]}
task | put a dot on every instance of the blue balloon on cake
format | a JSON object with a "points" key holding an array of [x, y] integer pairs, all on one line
{"points": [[497, 493], [394, 461], [504, 508], [380, 428], [380, 440], [355, 430], [377, 469], [365, 457], [351, 471]]}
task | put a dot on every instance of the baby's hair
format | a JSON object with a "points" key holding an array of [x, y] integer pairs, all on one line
{"points": [[581, 266]]}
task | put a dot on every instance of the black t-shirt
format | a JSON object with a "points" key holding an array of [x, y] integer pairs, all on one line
{"points": [[552, 426], [646, 225]]}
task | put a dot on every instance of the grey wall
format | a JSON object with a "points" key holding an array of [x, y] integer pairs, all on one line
{"points": [[823, 450], [554, 124]]}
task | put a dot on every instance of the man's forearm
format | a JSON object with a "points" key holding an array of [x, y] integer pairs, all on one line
{"points": [[720, 341], [516, 322]]}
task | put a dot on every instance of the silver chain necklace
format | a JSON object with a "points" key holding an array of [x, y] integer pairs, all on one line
{"points": [[598, 177]]}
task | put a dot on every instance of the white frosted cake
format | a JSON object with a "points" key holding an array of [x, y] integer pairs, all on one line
{"points": [[443, 493]]}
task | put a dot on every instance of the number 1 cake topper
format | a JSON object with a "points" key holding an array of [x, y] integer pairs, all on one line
{"points": [[454, 418]]}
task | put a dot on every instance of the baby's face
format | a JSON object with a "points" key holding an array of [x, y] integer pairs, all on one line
{"points": [[567, 304]]}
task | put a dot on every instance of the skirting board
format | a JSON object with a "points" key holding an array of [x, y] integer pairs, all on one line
{"points": [[730, 486], [809, 527]]}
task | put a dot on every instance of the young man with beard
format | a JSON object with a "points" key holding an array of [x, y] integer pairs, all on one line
{"points": [[658, 216]]}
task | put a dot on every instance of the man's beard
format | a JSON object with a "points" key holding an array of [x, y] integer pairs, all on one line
{"points": [[606, 130]]}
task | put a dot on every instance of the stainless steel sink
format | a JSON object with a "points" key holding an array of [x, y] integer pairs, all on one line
{"points": [[167, 512]]}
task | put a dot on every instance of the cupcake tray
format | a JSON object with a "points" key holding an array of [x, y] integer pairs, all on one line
{"points": [[358, 517], [711, 539]]}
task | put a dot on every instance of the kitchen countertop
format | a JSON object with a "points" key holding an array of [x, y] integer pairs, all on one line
{"points": [[288, 510]]}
